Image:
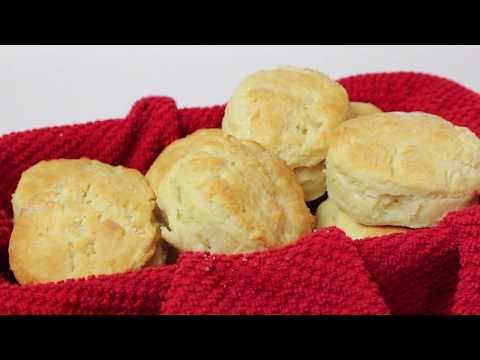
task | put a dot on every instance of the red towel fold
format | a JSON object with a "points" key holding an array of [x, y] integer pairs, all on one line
{"points": [[428, 271]]}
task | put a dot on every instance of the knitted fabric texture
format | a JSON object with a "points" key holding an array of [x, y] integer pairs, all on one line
{"points": [[426, 271]]}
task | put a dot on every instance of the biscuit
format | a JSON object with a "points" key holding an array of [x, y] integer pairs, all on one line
{"points": [[357, 109], [75, 218], [289, 111], [328, 214], [312, 179], [224, 195], [402, 169]]}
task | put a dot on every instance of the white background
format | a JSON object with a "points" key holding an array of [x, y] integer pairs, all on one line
{"points": [[52, 85]]}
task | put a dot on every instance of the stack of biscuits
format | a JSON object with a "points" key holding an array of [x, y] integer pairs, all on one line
{"points": [[376, 172], [289, 136]]}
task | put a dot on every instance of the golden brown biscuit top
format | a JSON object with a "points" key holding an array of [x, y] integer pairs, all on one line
{"points": [[75, 218], [417, 151], [288, 111], [224, 195]]}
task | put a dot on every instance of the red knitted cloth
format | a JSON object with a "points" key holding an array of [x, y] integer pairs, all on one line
{"points": [[428, 271]]}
